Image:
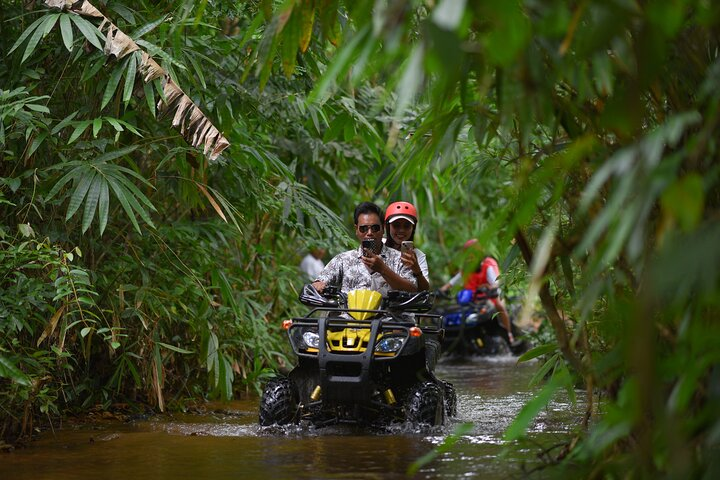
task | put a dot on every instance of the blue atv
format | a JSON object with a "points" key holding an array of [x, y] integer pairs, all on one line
{"points": [[473, 327]]}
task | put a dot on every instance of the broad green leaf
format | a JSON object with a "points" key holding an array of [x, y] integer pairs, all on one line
{"points": [[84, 332], [66, 31]]}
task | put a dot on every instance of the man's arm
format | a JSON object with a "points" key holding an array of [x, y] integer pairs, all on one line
{"points": [[396, 281]]}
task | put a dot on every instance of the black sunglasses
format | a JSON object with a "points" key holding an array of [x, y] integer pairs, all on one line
{"points": [[364, 228]]}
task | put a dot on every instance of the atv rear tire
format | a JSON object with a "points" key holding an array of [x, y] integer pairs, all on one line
{"points": [[425, 404], [278, 403]]}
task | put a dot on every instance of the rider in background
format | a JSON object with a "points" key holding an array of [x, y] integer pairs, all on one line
{"points": [[401, 222], [485, 275]]}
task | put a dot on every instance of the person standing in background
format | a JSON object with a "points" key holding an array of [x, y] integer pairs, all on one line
{"points": [[312, 264]]}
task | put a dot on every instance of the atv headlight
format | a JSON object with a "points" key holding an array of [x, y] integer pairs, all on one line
{"points": [[311, 339], [472, 319], [389, 345]]}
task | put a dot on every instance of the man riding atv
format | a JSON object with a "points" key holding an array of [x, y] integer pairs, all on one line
{"points": [[366, 353]]}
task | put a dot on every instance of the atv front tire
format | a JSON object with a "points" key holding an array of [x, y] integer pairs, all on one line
{"points": [[425, 404], [278, 403], [450, 399]]}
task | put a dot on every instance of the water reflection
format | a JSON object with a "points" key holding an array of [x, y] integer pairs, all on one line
{"points": [[231, 445]]}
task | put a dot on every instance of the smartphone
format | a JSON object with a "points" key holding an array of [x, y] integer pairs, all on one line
{"points": [[368, 244], [406, 246]]}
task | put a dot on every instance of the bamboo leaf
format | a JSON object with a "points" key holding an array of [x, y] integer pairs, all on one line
{"points": [[120, 193], [61, 183], [26, 34], [66, 32], [9, 370], [174, 348], [63, 123], [89, 31], [34, 40], [79, 129], [112, 85], [537, 351], [307, 11], [78, 195], [103, 205], [149, 97], [97, 125], [130, 75], [290, 42], [530, 410], [92, 201]]}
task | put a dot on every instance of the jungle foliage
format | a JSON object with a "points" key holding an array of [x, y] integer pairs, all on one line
{"points": [[577, 140]]}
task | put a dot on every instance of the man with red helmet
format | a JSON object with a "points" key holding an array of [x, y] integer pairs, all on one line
{"points": [[401, 222]]}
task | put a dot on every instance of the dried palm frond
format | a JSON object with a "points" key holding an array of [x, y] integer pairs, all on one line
{"points": [[193, 125]]}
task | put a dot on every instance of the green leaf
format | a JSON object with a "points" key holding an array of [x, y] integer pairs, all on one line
{"points": [[111, 86], [9, 370], [66, 31], [130, 75], [537, 351], [174, 348], [121, 195], [26, 34], [84, 332], [80, 191], [530, 410], [149, 97], [97, 125], [79, 129], [63, 123], [89, 31], [92, 200], [103, 205], [35, 39]]}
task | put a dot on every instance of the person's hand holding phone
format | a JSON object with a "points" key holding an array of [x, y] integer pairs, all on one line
{"points": [[408, 256], [370, 258]]}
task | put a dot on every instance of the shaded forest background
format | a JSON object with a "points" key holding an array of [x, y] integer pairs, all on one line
{"points": [[152, 214]]}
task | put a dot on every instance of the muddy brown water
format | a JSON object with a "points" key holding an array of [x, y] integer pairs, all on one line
{"points": [[491, 391]]}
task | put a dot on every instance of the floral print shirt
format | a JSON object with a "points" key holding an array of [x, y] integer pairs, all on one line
{"points": [[348, 271]]}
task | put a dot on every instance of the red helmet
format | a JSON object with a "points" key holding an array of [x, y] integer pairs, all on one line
{"points": [[401, 210]]}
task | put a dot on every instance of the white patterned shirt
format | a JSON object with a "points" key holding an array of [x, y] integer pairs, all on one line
{"points": [[347, 270]]}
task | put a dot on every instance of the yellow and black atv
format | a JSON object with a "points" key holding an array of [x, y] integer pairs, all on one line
{"points": [[362, 359]]}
